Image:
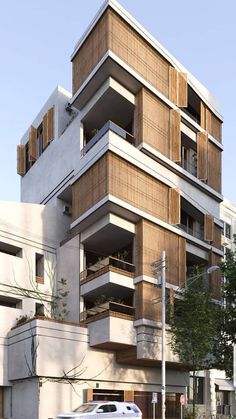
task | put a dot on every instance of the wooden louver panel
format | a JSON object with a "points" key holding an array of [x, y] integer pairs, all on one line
{"points": [[32, 143], [202, 158], [174, 206], [215, 277], [203, 115], [175, 135], [89, 394], [182, 261], [21, 160], [182, 90], [208, 227], [48, 127], [173, 85], [129, 395]]}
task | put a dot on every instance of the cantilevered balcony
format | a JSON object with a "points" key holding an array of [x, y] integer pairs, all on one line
{"points": [[106, 309], [107, 264]]}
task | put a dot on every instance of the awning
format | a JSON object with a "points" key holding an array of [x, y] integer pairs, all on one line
{"points": [[225, 385]]}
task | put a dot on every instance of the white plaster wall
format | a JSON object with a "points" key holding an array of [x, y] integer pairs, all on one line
{"points": [[25, 399], [68, 267], [112, 329]]}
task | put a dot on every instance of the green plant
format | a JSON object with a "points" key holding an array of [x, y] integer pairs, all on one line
{"points": [[23, 319]]}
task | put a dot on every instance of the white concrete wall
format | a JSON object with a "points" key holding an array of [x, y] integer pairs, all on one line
{"points": [[112, 329], [68, 268], [25, 400]]}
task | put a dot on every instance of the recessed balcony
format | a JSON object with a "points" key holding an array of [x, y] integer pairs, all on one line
{"points": [[108, 308], [107, 264]]}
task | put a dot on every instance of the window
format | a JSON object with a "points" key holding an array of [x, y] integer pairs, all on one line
{"points": [[10, 302], [107, 408], [39, 142], [39, 268], [9, 249], [227, 230], [199, 382]]}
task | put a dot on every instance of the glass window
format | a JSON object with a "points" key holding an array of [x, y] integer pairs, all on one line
{"points": [[228, 230], [199, 381]]}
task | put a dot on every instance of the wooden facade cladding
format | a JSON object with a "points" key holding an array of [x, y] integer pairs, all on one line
{"points": [[174, 206], [202, 161], [147, 301], [214, 167], [175, 135], [128, 395], [150, 241], [178, 87], [32, 143], [208, 227], [215, 277], [153, 120], [113, 33], [217, 237], [210, 122], [111, 174], [89, 394], [21, 160], [48, 127]]}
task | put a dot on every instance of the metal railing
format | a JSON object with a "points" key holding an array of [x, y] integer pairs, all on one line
{"points": [[106, 307], [108, 261], [108, 126], [224, 409], [199, 234]]}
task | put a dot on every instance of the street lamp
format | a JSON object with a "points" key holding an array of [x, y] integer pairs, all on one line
{"points": [[157, 266]]}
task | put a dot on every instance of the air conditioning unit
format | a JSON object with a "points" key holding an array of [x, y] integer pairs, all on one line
{"points": [[67, 210]]}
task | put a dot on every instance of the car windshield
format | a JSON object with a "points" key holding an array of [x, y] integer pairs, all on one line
{"points": [[85, 408]]}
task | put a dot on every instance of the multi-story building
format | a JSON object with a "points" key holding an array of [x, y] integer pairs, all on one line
{"points": [[131, 165]]}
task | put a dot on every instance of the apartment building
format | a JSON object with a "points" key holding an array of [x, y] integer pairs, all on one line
{"points": [[132, 163]]}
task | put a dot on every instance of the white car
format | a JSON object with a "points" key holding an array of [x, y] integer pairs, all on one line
{"points": [[106, 409]]}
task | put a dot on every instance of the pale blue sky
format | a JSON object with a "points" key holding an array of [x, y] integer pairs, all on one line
{"points": [[37, 38]]}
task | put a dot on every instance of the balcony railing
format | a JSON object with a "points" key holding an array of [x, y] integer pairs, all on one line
{"points": [[199, 234], [110, 261], [224, 409], [108, 126], [107, 307]]}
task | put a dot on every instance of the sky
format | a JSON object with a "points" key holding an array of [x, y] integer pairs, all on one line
{"points": [[37, 38]]}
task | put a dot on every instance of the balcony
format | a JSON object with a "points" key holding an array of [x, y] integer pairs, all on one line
{"points": [[108, 308], [108, 126], [198, 233], [107, 264]]}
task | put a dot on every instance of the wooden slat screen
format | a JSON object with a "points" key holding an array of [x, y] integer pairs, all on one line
{"points": [[147, 301], [156, 121], [21, 160], [155, 239], [210, 123], [90, 53], [174, 206], [89, 394], [129, 396], [138, 118], [175, 135], [208, 227], [137, 53], [137, 188], [202, 159], [214, 278], [173, 85], [214, 167], [48, 127], [182, 90], [32, 143], [182, 261]]}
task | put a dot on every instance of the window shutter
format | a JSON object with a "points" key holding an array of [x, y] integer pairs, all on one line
{"points": [[89, 394], [208, 120], [173, 85], [172, 302], [174, 206], [32, 143], [129, 396], [203, 115], [21, 160], [48, 127], [175, 138], [50, 114], [182, 90], [208, 227], [202, 156], [182, 261]]}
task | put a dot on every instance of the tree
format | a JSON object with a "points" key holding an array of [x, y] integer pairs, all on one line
{"points": [[195, 326], [223, 350]]}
